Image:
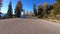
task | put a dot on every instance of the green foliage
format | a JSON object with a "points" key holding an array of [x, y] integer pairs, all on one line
{"points": [[56, 11], [35, 10], [58, 7], [9, 12], [18, 9]]}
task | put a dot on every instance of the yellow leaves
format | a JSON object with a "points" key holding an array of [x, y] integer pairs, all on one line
{"points": [[40, 6], [45, 5]]}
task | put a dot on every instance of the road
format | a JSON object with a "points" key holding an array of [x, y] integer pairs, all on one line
{"points": [[28, 26]]}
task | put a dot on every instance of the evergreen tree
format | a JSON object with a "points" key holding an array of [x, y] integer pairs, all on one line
{"points": [[56, 10], [0, 15], [48, 10], [0, 8], [9, 12], [51, 11], [58, 7], [24, 13], [18, 9], [58, 0], [40, 11], [51, 7], [35, 10]]}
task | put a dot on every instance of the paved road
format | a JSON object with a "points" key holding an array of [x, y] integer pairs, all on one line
{"points": [[28, 26]]}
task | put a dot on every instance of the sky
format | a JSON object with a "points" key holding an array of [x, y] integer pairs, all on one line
{"points": [[27, 4]]}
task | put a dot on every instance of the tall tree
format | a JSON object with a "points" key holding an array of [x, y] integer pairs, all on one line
{"points": [[46, 10], [56, 10], [40, 11], [0, 8], [9, 12], [18, 9], [58, 7], [35, 10], [58, 0], [0, 5], [51, 11]]}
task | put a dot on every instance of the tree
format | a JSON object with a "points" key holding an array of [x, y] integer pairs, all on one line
{"points": [[18, 9], [26, 13], [58, 0], [46, 10], [51, 11], [40, 11], [0, 8], [52, 7], [0, 4], [58, 7], [9, 12], [56, 11], [0, 15], [35, 10], [31, 14]]}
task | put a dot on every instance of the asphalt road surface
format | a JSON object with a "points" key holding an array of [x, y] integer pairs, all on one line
{"points": [[28, 26]]}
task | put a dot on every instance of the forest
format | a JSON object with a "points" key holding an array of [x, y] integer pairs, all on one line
{"points": [[43, 12]]}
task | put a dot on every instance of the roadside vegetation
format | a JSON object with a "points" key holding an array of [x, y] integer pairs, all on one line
{"points": [[47, 12]]}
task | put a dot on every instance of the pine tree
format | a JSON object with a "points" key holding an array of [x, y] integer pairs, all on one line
{"points": [[58, 0], [58, 7], [18, 9], [56, 10], [35, 10], [0, 15], [40, 11], [0, 8], [51, 11], [9, 12]]}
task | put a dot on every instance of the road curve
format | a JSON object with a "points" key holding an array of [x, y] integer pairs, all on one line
{"points": [[28, 26]]}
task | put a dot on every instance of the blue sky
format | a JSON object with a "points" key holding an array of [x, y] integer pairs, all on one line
{"points": [[27, 4]]}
